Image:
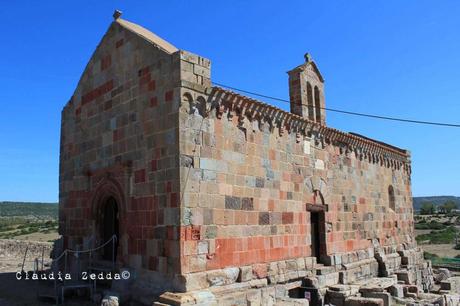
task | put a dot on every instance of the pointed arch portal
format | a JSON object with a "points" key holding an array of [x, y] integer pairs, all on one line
{"points": [[110, 227], [108, 206], [317, 211]]}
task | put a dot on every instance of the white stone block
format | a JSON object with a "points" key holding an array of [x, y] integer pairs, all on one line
{"points": [[306, 146], [319, 164]]}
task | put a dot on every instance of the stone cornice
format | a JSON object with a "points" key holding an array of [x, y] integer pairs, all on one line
{"points": [[224, 100]]}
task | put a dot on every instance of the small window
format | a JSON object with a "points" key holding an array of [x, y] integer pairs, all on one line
{"points": [[317, 105], [311, 114], [391, 198]]}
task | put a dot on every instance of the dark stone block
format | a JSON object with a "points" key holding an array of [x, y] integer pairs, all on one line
{"points": [[368, 217], [260, 182], [232, 202], [159, 232], [264, 218], [247, 204], [186, 161], [162, 200]]}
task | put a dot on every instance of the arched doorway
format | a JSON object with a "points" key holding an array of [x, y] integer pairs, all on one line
{"points": [[317, 211], [109, 228]]}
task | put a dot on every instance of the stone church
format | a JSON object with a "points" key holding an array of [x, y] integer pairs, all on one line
{"points": [[217, 198]]}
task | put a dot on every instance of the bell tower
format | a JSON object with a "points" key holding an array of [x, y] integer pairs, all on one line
{"points": [[306, 91]]}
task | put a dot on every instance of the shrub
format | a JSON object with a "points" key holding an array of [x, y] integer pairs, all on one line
{"points": [[445, 236], [435, 225], [428, 255]]}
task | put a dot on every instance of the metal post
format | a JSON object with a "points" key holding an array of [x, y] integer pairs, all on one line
{"points": [[56, 293], [43, 254], [113, 252], [77, 254], [24, 260], [65, 263], [65, 272]]}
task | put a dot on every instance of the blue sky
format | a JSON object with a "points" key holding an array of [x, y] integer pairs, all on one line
{"points": [[393, 58]]}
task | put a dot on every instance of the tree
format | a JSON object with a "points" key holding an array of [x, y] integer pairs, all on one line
{"points": [[448, 206], [427, 208]]}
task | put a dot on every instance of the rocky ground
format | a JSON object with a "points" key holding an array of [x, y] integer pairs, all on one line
{"points": [[442, 250], [438, 248], [14, 292]]}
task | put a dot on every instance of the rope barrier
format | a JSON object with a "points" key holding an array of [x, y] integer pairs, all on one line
{"points": [[113, 238]]}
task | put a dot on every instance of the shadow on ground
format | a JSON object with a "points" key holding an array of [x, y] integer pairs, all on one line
{"points": [[14, 292]]}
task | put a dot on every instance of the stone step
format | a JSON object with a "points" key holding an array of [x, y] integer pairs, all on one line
{"points": [[324, 270]]}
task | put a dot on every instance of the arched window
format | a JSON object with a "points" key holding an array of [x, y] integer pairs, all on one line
{"points": [[201, 105], [317, 105], [311, 110], [187, 103], [391, 198]]}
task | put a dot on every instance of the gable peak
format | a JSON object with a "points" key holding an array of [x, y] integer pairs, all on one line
{"points": [[117, 14]]}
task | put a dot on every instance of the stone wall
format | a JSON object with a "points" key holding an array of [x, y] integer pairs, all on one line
{"points": [[17, 248], [249, 181], [215, 189], [119, 138], [284, 282]]}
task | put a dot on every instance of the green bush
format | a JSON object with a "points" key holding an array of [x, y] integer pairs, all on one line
{"points": [[435, 225], [444, 236], [428, 255]]}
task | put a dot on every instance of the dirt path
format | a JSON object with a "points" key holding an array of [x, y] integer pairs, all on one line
{"points": [[442, 250], [39, 237]]}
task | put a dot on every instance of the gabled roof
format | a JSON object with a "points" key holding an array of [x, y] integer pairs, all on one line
{"points": [[308, 62], [136, 30], [147, 35]]}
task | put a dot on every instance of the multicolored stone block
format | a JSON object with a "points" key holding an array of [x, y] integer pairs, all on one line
{"points": [[207, 180]]}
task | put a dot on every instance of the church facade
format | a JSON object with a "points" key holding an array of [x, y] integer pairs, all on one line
{"points": [[215, 196]]}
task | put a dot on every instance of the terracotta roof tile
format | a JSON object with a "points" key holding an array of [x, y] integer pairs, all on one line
{"points": [[146, 34]]}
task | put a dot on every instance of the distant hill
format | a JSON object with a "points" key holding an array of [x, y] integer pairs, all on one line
{"points": [[436, 200], [29, 209], [38, 209]]}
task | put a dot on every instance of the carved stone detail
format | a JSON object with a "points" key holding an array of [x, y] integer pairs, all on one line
{"points": [[252, 113]]}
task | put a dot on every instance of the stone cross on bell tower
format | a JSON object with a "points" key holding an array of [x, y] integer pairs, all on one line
{"points": [[306, 91]]}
